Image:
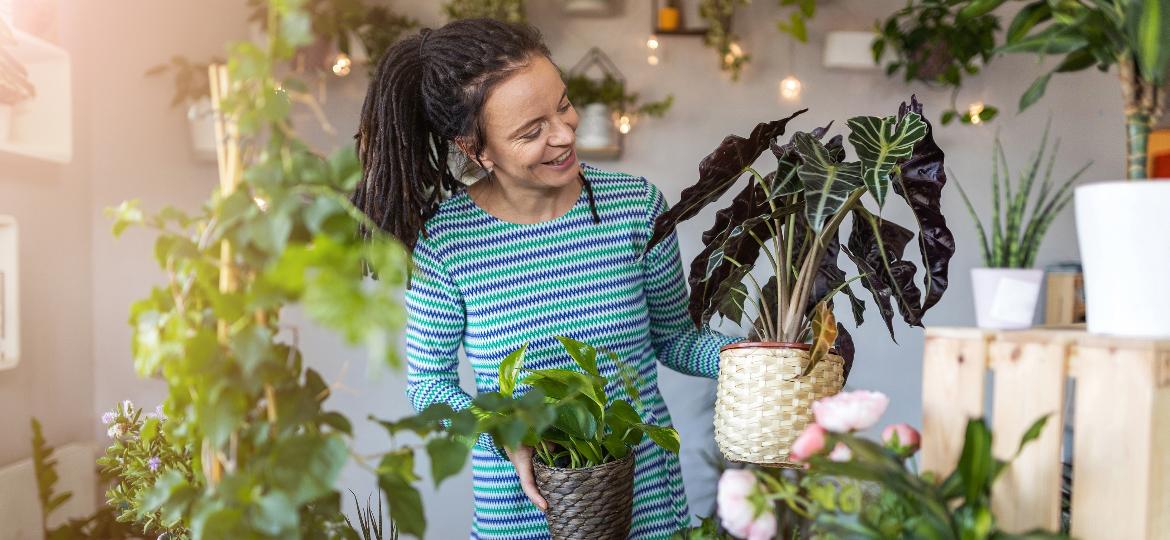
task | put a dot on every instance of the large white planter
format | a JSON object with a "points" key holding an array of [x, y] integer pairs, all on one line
{"points": [[595, 128], [1123, 229], [201, 124], [1005, 298]]}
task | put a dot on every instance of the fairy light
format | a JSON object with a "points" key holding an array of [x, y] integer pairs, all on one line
{"points": [[974, 111], [341, 64], [654, 56], [734, 52], [624, 124], [790, 88], [652, 42]]}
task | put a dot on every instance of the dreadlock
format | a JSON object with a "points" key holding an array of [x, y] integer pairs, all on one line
{"points": [[427, 90]]}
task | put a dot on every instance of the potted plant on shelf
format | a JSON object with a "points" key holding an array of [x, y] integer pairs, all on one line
{"points": [[1007, 287], [192, 90], [583, 439], [789, 362], [604, 103], [15, 86]]}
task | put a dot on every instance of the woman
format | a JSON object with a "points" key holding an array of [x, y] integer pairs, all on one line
{"points": [[542, 246]]}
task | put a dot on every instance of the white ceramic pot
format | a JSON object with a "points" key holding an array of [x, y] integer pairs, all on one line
{"points": [[5, 122], [201, 124], [591, 8], [595, 128], [1123, 229], [1005, 298]]}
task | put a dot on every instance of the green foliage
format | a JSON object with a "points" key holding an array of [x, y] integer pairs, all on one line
{"points": [[370, 520], [940, 42], [190, 78], [565, 414], [504, 10], [796, 25], [718, 15], [1015, 237], [333, 23], [45, 468], [583, 90], [708, 529]]}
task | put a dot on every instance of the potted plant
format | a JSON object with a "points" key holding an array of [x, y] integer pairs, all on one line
{"points": [[1007, 286], [601, 100], [794, 215], [14, 84], [1125, 290], [583, 439], [938, 42], [504, 10], [718, 15], [193, 91]]}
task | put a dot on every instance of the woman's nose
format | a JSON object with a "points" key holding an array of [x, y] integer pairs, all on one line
{"points": [[564, 134]]}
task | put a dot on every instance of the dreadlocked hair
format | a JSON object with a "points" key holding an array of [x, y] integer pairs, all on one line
{"points": [[425, 91]]}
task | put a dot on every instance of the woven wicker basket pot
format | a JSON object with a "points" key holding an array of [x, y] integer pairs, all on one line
{"points": [[592, 503], [762, 404]]}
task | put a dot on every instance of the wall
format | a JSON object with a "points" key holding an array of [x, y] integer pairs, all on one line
{"points": [[139, 149]]}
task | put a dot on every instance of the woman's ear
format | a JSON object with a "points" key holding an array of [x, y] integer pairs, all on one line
{"points": [[465, 147]]}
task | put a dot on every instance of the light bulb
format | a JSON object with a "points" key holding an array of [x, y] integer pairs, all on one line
{"points": [[790, 88], [624, 124], [652, 42], [735, 49], [341, 64], [652, 59], [974, 111]]}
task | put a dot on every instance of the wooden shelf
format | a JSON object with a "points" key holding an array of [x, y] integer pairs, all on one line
{"points": [[42, 127], [681, 32]]}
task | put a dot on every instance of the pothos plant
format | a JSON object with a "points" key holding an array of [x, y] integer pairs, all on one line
{"points": [[718, 15], [581, 426], [583, 90], [262, 453], [793, 215]]}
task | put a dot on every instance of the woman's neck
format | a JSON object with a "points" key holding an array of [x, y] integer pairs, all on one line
{"points": [[518, 204]]}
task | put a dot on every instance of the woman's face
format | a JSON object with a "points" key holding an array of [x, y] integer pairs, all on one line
{"points": [[530, 128]]}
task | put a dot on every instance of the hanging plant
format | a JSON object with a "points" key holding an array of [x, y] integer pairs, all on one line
{"points": [[583, 90], [504, 10], [190, 78], [938, 42], [718, 15], [797, 23]]}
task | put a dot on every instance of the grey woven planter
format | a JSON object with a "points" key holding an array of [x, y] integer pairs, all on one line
{"points": [[593, 503]]}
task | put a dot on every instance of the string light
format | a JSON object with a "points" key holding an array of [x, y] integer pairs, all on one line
{"points": [[624, 124], [654, 56], [734, 52], [341, 64], [790, 88], [975, 111]]}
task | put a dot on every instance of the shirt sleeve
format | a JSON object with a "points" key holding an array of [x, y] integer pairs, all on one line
{"points": [[436, 319], [678, 344]]}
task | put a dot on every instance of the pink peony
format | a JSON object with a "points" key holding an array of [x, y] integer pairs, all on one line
{"points": [[736, 510], [850, 411], [901, 438], [841, 453], [811, 441]]}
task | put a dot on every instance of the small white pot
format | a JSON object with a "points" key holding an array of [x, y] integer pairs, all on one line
{"points": [[1005, 298], [201, 124], [595, 128], [1123, 229], [5, 122], [588, 8]]}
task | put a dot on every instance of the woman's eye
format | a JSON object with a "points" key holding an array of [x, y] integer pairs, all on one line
{"points": [[566, 106], [532, 134]]}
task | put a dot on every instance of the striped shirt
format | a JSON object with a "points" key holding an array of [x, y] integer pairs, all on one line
{"points": [[493, 285]]}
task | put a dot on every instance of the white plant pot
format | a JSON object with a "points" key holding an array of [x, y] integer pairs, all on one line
{"points": [[595, 128], [5, 122], [589, 8], [1005, 298], [1123, 229], [201, 124]]}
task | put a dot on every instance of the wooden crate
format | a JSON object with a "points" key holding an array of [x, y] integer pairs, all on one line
{"points": [[1121, 429]]}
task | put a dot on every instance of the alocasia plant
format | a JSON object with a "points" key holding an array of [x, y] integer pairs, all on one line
{"points": [[793, 216]]}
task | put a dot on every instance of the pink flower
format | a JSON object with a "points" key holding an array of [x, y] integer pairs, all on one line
{"points": [[811, 441], [850, 411], [736, 510], [841, 453], [901, 438]]}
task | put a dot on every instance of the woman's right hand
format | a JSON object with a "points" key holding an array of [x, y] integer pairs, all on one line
{"points": [[522, 460]]}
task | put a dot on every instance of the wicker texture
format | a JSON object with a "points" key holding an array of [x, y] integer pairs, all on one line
{"points": [[592, 503], [762, 406]]}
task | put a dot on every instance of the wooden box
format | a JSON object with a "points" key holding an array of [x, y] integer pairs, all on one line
{"points": [[1120, 433]]}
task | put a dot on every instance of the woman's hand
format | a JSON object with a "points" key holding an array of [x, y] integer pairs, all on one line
{"points": [[522, 460]]}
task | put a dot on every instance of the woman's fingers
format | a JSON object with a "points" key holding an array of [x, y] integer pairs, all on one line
{"points": [[522, 460]]}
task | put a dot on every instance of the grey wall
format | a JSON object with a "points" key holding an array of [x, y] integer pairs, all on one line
{"points": [[79, 281]]}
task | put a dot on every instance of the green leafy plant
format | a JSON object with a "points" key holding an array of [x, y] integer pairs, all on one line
{"points": [[939, 42], [797, 23], [14, 83], [580, 426], [1015, 238], [793, 216], [370, 520], [333, 23], [583, 90], [190, 78], [504, 10], [1134, 36], [718, 15]]}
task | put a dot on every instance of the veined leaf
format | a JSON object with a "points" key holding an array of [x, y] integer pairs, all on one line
{"points": [[510, 369], [584, 354], [826, 184], [882, 142]]}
